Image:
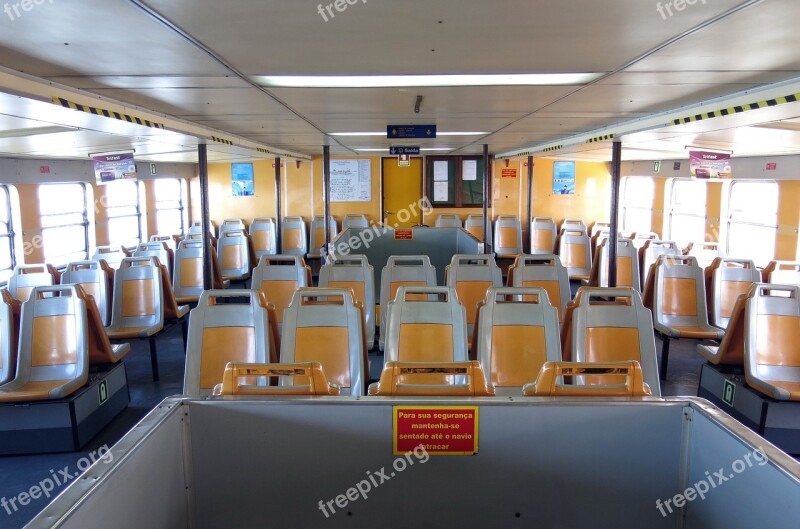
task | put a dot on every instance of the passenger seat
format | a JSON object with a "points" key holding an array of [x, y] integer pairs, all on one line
{"points": [[772, 335], [325, 325], [53, 359], [226, 326], [402, 270], [471, 276], [517, 332]]}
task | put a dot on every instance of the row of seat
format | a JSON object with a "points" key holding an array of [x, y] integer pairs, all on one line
{"points": [[516, 332], [294, 233], [48, 342], [762, 338]]}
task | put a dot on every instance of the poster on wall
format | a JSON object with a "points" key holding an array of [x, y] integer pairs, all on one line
{"points": [[109, 167], [242, 180], [563, 178], [351, 180], [705, 164]]}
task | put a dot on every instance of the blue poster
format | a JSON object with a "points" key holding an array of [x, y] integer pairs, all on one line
{"points": [[242, 179], [563, 178]]}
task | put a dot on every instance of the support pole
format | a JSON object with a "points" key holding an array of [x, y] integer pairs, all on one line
{"points": [[278, 239], [530, 204], [205, 218], [486, 223], [326, 193], [616, 167]]}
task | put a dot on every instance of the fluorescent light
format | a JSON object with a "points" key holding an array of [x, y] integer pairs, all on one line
{"points": [[392, 81], [427, 149], [383, 133]]}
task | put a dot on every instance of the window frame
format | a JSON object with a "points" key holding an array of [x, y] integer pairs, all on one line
{"points": [[13, 217], [670, 211], [457, 180], [86, 223], [140, 201], [182, 205], [730, 221], [625, 206]]}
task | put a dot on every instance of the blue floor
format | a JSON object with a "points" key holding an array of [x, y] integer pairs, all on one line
{"points": [[19, 473]]}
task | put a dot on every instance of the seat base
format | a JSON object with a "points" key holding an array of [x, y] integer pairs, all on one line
{"points": [[777, 421], [64, 425]]}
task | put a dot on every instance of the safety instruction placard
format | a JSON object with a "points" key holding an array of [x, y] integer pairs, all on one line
{"points": [[442, 430], [403, 235], [351, 181]]}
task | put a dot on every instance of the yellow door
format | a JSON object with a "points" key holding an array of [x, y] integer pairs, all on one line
{"points": [[402, 193]]}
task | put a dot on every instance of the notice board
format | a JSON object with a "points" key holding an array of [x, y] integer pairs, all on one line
{"points": [[351, 181]]}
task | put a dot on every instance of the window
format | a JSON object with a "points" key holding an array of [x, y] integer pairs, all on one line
{"points": [[170, 199], [636, 204], [687, 211], [65, 225], [123, 199], [8, 257], [752, 220], [456, 181]]}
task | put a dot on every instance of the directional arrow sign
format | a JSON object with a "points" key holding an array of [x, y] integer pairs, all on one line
{"points": [[410, 131], [404, 149]]}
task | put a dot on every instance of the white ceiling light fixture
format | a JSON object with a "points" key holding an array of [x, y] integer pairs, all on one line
{"points": [[383, 133], [395, 81], [427, 149], [34, 131]]}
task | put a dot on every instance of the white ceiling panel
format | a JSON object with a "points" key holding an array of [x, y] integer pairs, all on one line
{"points": [[662, 61]]}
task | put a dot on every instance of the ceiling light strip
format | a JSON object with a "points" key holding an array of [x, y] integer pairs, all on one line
{"points": [[106, 113], [737, 109]]}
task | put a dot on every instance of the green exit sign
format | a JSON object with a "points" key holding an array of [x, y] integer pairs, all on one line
{"points": [[729, 393]]}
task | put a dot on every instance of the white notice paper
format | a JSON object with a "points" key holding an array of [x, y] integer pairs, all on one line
{"points": [[440, 192], [469, 170], [440, 172], [351, 181]]}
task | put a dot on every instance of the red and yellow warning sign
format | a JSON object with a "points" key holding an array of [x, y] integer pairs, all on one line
{"points": [[403, 235], [442, 430], [508, 173]]}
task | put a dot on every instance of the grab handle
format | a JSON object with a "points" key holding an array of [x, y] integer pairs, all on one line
{"points": [[312, 379], [547, 384]]}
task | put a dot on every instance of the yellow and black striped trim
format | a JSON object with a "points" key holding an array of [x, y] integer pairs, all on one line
{"points": [[106, 113], [601, 138], [738, 109], [261, 149], [221, 140], [553, 148]]}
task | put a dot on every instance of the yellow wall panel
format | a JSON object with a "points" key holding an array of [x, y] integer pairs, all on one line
{"points": [[786, 244], [591, 201]]}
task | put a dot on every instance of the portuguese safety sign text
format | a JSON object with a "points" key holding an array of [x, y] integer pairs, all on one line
{"points": [[442, 430]]}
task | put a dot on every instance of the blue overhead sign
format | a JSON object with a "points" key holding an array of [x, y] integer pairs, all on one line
{"points": [[410, 131], [404, 149]]}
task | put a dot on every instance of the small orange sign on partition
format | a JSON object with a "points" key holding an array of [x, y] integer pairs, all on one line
{"points": [[508, 173], [403, 235], [442, 430]]}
